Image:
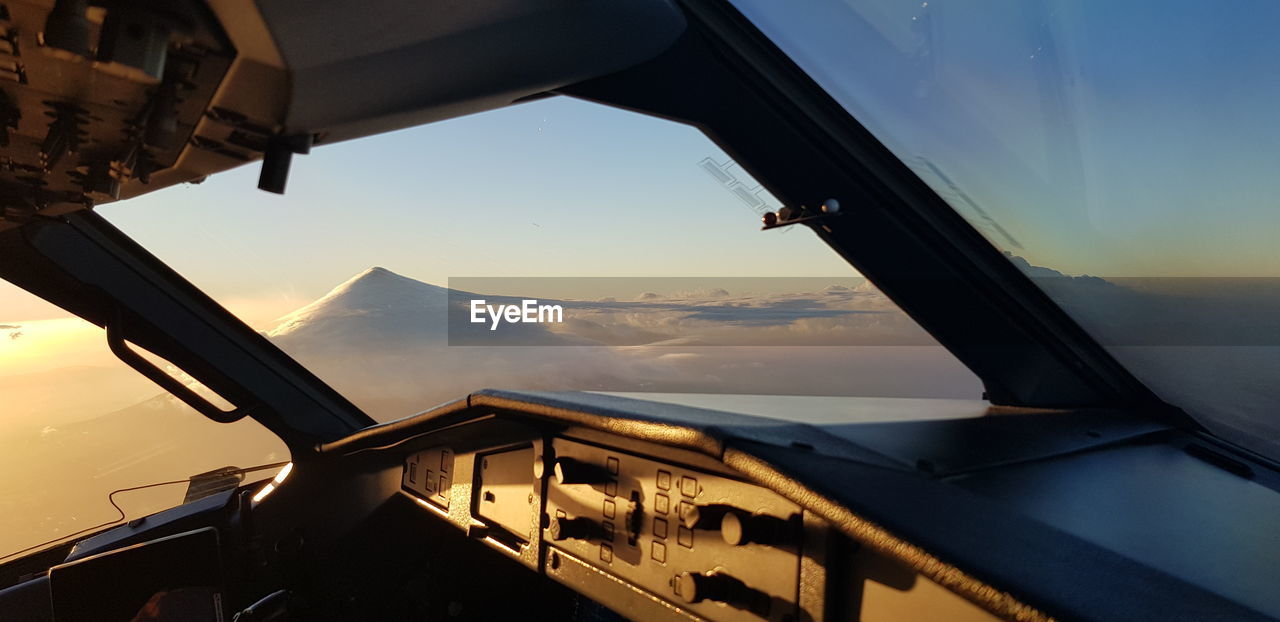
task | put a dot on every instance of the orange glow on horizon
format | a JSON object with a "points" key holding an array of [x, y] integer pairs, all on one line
{"points": [[43, 345]]}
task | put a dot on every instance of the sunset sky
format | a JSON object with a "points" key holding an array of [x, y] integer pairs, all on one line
{"points": [[1056, 120], [552, 188]]}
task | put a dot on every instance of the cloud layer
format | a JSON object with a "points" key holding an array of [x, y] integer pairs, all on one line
{"points": [[385, 341]]}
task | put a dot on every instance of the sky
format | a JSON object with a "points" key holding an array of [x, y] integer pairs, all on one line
{"points": [[556, 187], [1091, 138], [1110, 139], [1095, 138]]}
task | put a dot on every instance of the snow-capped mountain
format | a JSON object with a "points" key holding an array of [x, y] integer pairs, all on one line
{"points": [[381, 308], [377, 298], [383, 340]]}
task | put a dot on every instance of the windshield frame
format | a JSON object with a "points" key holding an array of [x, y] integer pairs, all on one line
{"points": [[1142, 326], [86, 266], [727, 78]]}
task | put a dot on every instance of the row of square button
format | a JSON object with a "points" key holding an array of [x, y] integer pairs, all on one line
{"points": [[609, 509], [662, 505], [688, 485]]}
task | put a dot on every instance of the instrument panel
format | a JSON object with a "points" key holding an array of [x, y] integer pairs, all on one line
{"points": [[702, 541], [483, 512], [657, 533], [682, 540]]}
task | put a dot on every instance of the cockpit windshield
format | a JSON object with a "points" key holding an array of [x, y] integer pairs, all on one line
{"points": [[86, 442], [552, 245], [1122, 154]]}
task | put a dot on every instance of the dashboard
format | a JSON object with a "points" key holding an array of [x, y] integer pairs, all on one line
{"points": [[586, 506], [661, 535], [709, 507], [658, 533]]}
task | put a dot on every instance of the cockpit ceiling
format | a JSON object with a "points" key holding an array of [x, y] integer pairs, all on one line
{"points": [[392, 64], [93, 99], [102, 101]]}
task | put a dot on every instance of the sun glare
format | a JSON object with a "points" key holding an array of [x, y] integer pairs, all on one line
{"points": [[42, 345]]}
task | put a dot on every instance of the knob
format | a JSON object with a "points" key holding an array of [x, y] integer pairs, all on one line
{"points": [[563, 528], [738, 528], [703, 516], [570, 471], [695, 587]]}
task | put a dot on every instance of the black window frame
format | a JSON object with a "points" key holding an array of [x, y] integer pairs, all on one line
{"points": [[728, 79]]}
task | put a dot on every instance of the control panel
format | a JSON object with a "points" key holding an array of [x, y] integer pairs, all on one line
{"points": [[709, 544], [429, 474], [653, 532], [505, 498]]}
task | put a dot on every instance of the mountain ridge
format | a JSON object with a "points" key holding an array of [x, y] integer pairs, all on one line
{"points": [[375, 290]]}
